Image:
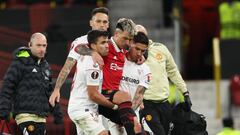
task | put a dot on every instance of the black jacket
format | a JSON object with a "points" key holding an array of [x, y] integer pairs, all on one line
{"points": [[27, 85]]}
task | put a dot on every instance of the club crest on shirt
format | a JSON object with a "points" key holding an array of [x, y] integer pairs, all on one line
{"points": [[31, 128], [95, 75], [148, 117], [158, 56]]}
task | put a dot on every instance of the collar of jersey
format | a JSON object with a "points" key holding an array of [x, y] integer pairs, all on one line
{"points": [[115, 45]]}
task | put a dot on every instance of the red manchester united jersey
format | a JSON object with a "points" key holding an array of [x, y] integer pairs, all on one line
{"points": [[113, 66]]}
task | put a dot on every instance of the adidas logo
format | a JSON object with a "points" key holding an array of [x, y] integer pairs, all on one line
{"points": [[34, 70]]}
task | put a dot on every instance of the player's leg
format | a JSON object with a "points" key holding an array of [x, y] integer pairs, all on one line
{"points": [[152, 117], [127, 114], [79, 131]]}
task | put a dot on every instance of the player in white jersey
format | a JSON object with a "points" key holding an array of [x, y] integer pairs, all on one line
{"points": [[86, 88], [135, 77], [99, 21]]}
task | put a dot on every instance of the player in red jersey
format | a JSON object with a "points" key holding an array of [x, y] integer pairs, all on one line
{"points": [[122, 112]]}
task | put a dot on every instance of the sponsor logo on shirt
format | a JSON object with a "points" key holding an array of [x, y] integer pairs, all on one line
{"points": [[95, 75], [114, 66], [131, 80], [34, 70]]}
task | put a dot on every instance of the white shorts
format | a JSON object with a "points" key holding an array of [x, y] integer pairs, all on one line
{"points": [[114, 128], [89, 122]]}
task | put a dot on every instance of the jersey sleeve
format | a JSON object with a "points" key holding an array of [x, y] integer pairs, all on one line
{"points": [[145, 76], [173, 72], [93, 74], [73, 51]]}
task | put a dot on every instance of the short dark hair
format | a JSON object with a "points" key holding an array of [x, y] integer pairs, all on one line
{"points": [[140, 37], [103, 10], [93, 35], [228, 122]]}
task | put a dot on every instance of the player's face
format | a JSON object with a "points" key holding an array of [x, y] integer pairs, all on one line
{"points": [[99, 22], [136, 51], [123, 39], [102, 46], [38, 46]]}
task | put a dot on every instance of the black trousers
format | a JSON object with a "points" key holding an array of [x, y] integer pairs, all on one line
{"points": [[33, 128], [158, 116]]}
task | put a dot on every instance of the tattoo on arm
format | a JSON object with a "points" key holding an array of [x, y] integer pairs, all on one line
{"points": [[70, 62], [83, 50], [138, 97]]}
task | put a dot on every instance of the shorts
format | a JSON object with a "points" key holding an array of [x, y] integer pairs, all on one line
{"points": [[109, 113], [33, 128], [89, 122]]}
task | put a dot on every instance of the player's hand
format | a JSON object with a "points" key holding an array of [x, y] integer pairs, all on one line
{"points": [[97, 59], [55, 97], [141, 106], [137, 126], [57, 114]]}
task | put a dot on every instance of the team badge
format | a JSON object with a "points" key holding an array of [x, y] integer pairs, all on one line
{"points": [[148, 117], [158, 56], [47, 72], [94, 75], [148, 78], [31, 128]]}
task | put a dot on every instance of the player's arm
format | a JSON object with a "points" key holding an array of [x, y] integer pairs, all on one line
{"points": [[55, 96], [85, 50], [97, 97], [138, 97], [9, 85]]}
